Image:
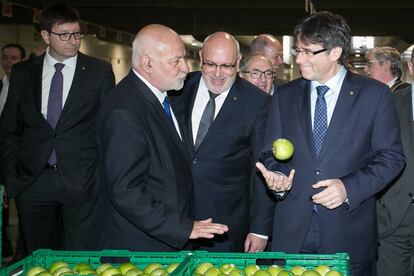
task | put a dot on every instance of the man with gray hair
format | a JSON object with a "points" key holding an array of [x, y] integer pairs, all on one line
{"points": [[384, 64], [395, 205], [147, 203], [257, 69], [224, 129]]}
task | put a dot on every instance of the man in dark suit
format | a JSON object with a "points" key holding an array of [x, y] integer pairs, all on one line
{"points": [[146, 172], [395, 205], [47, 132], [346, 134], [222, 154]]}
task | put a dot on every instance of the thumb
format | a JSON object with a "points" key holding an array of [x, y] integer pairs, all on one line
{"points": [[247, 245], [261, 167]]}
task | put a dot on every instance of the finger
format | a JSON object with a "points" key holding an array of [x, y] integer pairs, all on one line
{"points": [[209, 220], [247, 245], [261, 168], [323, 183]]}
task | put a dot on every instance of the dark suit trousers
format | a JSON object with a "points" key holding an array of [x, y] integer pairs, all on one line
{"points": [[396, 252], [313, 245], [50, 218]]}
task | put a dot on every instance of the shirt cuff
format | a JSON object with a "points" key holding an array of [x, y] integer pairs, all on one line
{"points": [[260, 236]]}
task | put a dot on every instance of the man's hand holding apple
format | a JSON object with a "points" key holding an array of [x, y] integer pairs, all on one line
{"points": [[276, 181], [334, 194], [207, 229]]}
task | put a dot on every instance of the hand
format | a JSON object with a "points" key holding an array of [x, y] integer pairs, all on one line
{"points": [[332, 196], [254, 243], [277, 182], [207, 229]]}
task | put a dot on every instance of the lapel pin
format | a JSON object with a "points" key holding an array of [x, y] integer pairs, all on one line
{"points": [[83, 68], [351, 93], [234, 98]]}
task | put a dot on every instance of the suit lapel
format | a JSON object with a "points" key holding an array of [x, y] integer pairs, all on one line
{"points": [[190, 90], [346, 98], [304, 111], [37, 73]]}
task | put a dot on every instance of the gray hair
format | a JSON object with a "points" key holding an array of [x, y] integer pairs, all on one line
{"points": [[388, 54]]}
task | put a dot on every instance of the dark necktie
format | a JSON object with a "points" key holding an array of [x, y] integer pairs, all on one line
{"points": [[54, 104], [320, 122], [206, 119], [167, 109]]}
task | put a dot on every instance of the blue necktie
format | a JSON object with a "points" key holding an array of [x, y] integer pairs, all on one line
{"points": [[167, 109], [206, 119], [320, 122], [54, 104]]}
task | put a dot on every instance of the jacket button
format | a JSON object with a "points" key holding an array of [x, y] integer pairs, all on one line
{"points": [[195, 161], [317, 171], [57, 136]]}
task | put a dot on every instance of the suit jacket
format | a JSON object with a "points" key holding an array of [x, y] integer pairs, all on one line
{"points": [[27, 139], [222, 165], [146, 173], [394, 201], [399, 84], [362, 147]]}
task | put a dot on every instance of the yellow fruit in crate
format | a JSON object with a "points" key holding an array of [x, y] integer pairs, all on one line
{"points": [[311, 273], [44, 273], [297, 270], [333, 273], [322, 269], [262, 273], [81, 266], [250, 270], [56, 265], [110, 272], [134, 272], [227, 268], [87, 272], [203, 267], [102, 268], [172, 267], [62, 271], [151, 267], [212, 271], [237, 272], [274, 270], [159, 272], [35, 270], [285, 273], [124, 268]]}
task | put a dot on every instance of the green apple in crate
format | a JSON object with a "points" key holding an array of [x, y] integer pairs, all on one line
{"points": [[285, 273], [44, 273], [250, 270], [297, 270], [172, 267], [151, 267], [333, 273], [102, 268], [56, 265], [322, 269], [112, 271], [124, 268], [81, 266], [62, 271], [35, 270], [262, 273], [202, 268]]}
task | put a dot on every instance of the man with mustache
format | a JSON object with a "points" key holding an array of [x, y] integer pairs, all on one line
{"points": [[147, 197]]}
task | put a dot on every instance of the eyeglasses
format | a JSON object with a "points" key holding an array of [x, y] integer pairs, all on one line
{"points": [[213, 66], [258, 74], [68, 36], [306, 52]]}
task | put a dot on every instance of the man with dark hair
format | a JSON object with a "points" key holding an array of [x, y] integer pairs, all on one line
{"points": [[10, 54], [395, 205], [47, 135], [346, 134], [385, 64]]}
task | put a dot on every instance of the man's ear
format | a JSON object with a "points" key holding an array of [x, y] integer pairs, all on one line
{"points": [[146, 63], [410, 67], [335, 53], [46, 36]]}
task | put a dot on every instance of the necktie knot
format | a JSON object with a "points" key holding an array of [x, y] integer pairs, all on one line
{"points": [[212, 95], [59, 66], [321, 90]]}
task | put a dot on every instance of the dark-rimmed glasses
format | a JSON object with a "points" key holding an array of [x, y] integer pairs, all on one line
{"points": [[258, 74], [213, 66], [296, 51], [68, 36]]}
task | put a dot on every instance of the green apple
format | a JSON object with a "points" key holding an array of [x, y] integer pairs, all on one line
{"points": [[212, 271], [285, 273], [237, 272], [44, 273], [56, 265], [62, 270], [110, 272], [262, 273], [203, 267], [124, 268], [102, 268], [172, 267], [151, 267], [311, 273], [251, 269], [227, 268], [298, 270], [87, 272], [81, 266], [333, 272], [322, 269], [274, 269], [159, 272], [134, 272], [282, 149], [35, 270]]}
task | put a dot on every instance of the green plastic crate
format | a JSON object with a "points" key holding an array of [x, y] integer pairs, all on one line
{"points": [[1, 221], [45, 258], [339, 261]]}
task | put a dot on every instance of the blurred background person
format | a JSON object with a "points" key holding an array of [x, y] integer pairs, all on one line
{"points": [[385, 64], [395, 204], [257, 69]]}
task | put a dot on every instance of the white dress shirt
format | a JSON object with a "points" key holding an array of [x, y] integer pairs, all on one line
{"points": [[49, 70], [200, 102], [412, 98], [391, 82], [4, 92], [331, 97], [160, 96]]}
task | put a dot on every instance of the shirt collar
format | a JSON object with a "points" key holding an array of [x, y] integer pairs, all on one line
{"points": [[203, 87], [334, 83], [391, 82], [50, 61], [160, 95]]}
